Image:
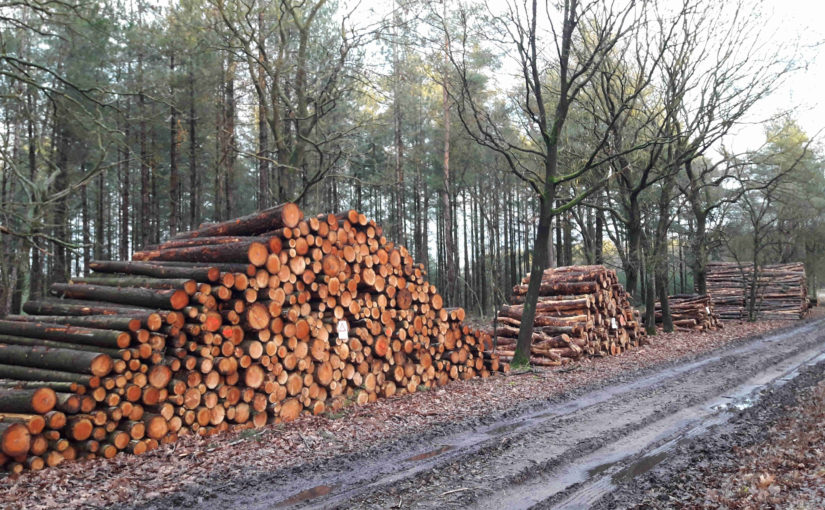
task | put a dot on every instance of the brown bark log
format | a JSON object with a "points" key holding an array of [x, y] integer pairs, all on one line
{"points": [[283, 215], [81, 362], [164, 299], [107, 338]]}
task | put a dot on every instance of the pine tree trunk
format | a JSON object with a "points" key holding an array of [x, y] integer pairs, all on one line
{"points": [[100, 222], [194, 184], [174, 180], [86, 235], [125, 206], [449, 246], [145, 227]]}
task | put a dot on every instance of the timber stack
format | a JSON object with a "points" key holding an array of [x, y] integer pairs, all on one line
{"points": [[781, 290], [237, 324], [691, 312], [581, 311]]}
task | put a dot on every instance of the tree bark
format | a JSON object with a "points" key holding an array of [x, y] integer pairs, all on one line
{"points": [[194, 182], [174, 180], [202, 274], [107, 338], [66, 360], [164, 299]]}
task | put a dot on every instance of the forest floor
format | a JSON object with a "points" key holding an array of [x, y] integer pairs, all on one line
{"points": [[462, 445]]}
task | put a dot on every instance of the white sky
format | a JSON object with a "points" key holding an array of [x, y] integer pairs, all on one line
{"points": [[804, 90]]}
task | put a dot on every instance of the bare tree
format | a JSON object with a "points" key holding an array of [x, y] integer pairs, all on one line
{"points": [[555, 65]]}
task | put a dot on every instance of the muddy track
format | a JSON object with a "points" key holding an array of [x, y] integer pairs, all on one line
{"points": [[564, 453]]}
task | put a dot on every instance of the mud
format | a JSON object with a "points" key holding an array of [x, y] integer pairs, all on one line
{"points": [[595, 446], [681, 477]]}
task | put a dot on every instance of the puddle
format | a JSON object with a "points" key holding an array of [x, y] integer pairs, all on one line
{"points": [[433, 453], [639, 467], [320, 490], [601, 468], [505, 428], [738, 405]]}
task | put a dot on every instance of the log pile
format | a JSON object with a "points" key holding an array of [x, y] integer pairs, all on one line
{"points": [[582, 311], [691, 312], [781, 290], [236, 324]]}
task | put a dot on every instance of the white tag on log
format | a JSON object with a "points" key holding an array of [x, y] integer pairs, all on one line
{"points": [[343, 330], [613, 323], [707, 309]]}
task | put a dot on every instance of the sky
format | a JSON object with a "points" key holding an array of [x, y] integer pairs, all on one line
{"points": [[804, 90]]}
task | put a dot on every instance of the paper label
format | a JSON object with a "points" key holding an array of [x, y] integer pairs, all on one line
{"points": [[613, 323], [343, 330], [707, 309]]}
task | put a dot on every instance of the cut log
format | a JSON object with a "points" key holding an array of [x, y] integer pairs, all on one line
{"points": [[131, 322], [66, 360], [38, 401], [15, 439], [188, 285], [79, 307], [253, 251], [283, 215], [165, 299], [108, 338], [39, 374], [201, 274]]}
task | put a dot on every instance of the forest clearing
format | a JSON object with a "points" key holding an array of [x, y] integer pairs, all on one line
{"points": [[335, 254]]}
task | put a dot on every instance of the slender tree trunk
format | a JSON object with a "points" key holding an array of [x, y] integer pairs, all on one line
{"points": [[598, 241], [86, 235], [36, 272], [634, 250], [125, 206], [649, 295], [145, 178], [229, 186], [539, 263], [174, 179], [568, 240], [264, 191], [100, 222], [60, 269], [397, 126], [449, 247], [700, 253]]}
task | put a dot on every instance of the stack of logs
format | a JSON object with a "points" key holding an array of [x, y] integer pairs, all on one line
{"points": [[242, 323], [781, 290], [691, 312], [582, 310]]}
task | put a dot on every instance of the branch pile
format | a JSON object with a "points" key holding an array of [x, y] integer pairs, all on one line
{"points": [[581, 311], [781, 290], [691, 312], [241, 323]]}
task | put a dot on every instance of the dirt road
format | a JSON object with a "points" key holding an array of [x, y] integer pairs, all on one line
{"points": [[570, 452]]}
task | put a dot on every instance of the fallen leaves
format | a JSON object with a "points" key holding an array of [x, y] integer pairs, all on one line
{"points": [[171, 468]]}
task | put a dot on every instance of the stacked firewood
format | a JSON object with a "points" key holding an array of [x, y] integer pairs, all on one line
{"points": [[581, 311], [241, 323], [691, 312], [781, 290]]}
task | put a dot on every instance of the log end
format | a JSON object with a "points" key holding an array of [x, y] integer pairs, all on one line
{"points": [[157, 427], [179, 299], [102, 364], [290, 410], [257, 254], [15, 440], [44, 400]]}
